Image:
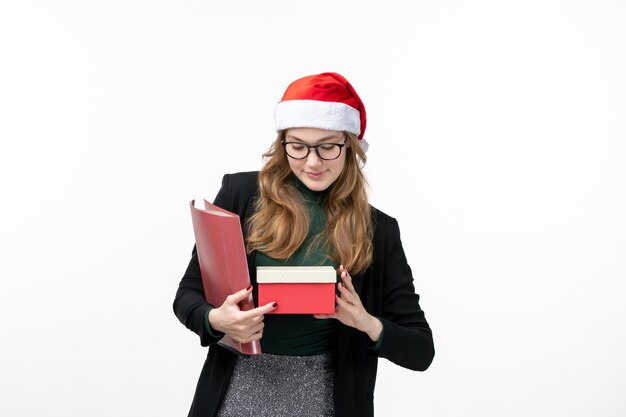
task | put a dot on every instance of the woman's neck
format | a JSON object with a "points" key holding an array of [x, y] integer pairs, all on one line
{"points": [[307, 193]]}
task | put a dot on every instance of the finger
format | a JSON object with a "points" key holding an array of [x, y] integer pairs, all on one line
{"points": [[238, 296], [343, 303], [346, 279], [249, 325], [256, 319], [256, 328], [259, 311], [249, 338], [255, 336], [325, 316], [245, 331], [255, 332], [343, 291], [346, 295]]}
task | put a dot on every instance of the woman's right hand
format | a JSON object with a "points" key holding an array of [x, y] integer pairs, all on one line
{"points": [[242, 326]]}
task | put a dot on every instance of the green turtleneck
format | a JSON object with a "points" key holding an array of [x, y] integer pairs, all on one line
{"points": [[300, 334]]}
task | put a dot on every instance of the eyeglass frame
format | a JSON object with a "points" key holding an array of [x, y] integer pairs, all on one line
{"points": [[309, 147]]}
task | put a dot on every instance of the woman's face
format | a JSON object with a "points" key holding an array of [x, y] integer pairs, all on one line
{"points": [[316, 173]]}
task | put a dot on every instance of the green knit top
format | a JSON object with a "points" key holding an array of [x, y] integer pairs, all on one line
{"points": [[301, 334]]}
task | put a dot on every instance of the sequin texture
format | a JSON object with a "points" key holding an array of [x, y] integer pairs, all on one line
{"points": [[270, 385]]}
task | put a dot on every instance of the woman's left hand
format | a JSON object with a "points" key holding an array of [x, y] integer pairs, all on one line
{"points": [[350, 310]]}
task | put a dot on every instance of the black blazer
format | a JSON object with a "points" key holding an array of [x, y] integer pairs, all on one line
{"points": [[386, 291]]}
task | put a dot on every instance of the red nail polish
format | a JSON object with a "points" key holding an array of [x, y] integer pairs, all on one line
{"points": [[248, 289], [275, 305]]}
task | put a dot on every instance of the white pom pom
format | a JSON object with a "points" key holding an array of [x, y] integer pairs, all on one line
{"points": [[364, 145]]}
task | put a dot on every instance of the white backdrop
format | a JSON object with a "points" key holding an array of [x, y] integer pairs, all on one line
{"points": [[497, 141]]}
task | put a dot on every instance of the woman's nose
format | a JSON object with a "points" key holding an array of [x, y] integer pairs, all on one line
{"points": [[312, 159]]}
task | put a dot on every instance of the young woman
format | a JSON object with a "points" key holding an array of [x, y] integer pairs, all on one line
{"points": [[308, 206]]}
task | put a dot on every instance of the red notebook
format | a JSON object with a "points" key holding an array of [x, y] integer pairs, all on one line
{"points": [[223, 264]]}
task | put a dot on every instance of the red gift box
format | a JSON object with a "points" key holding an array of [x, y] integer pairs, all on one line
{"points": [[297, 289]]}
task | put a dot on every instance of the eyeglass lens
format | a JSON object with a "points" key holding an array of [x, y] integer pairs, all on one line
{"points": [[324, 151]]}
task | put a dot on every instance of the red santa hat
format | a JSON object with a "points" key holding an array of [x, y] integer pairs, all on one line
{"points": [[324, 101]]}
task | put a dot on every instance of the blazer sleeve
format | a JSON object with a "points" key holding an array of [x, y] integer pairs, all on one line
{"points": [[408, 339], [190, 305]]}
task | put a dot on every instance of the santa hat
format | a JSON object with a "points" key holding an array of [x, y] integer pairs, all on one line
{"points": [[324, 101]]}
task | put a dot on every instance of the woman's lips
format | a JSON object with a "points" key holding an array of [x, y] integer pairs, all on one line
{"points": [[315, 175]]}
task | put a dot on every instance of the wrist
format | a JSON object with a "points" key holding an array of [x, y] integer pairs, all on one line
{"points": [[374, 329], [211, 318]]}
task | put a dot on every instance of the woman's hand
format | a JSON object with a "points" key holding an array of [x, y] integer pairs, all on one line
{"points": [[242, 326], [351, 312]]}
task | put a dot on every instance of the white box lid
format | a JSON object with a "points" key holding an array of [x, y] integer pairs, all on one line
{"points": [[295, 274]]}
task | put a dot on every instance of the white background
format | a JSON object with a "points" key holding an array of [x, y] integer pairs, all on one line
{"points": [[497, 141]]}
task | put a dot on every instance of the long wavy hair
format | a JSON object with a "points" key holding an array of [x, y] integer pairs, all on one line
{"points": [[281, 222]]}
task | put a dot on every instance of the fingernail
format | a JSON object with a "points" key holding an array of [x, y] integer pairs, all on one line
{"points": [[275, 305], [248, 289]]}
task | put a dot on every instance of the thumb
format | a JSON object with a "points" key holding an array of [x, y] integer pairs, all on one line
{"points": [[238, 296]]}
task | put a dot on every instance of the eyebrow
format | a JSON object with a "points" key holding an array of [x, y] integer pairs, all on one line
{"points": [[319, 140]]}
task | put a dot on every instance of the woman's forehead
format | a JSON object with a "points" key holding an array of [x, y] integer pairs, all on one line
{"points": [[313, 135]]}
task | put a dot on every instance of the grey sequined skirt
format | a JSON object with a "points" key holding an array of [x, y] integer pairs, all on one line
{"points": [[280, 386]]}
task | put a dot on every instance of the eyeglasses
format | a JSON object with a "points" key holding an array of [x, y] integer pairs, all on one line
{"points": [[325, 151]]}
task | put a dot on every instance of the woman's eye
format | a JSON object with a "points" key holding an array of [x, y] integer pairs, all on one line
{"points": [[297, 147], [328, 147]]}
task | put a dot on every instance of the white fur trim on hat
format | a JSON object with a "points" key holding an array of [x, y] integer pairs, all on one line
{"points": [[318, 114]]}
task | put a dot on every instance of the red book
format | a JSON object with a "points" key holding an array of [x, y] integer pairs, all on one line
{"points": [[297, 289], [223, 263]]}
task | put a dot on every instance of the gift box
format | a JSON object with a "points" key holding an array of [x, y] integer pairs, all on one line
{"points": [[297, 289]]}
